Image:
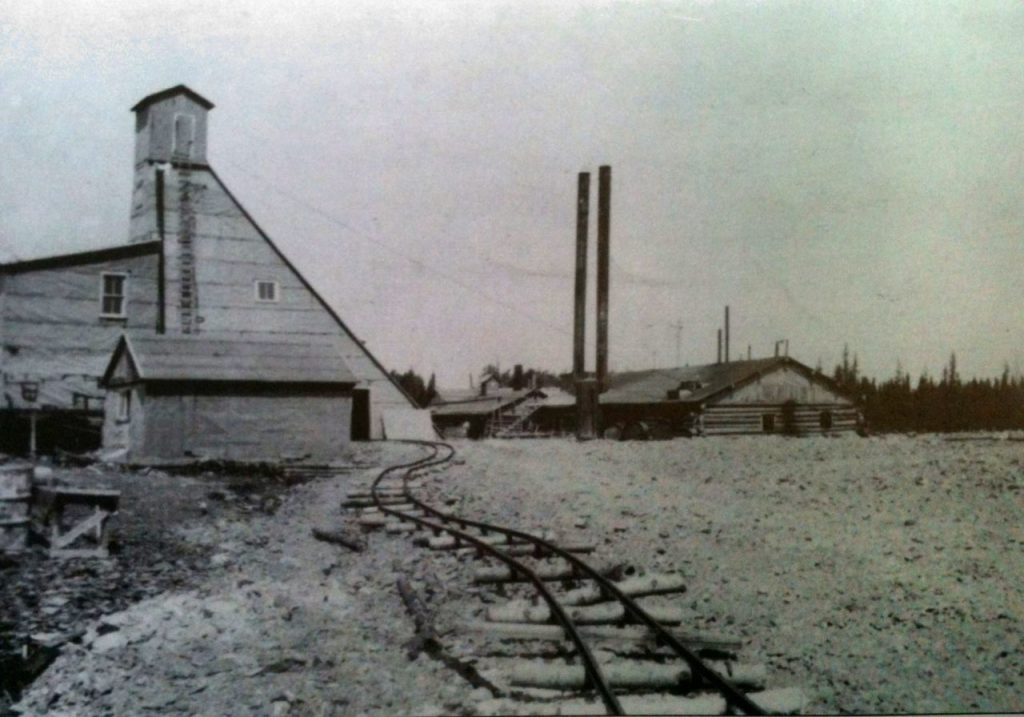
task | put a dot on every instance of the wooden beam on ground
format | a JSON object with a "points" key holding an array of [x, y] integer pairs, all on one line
{"points": [[525, 549], [628, 634], [602, 613], [426, 637], [655, 584], [629, 674], [348, 539], [503, 574], [631, 705]]}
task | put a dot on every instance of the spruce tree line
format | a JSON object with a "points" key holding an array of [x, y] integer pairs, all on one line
{"points": [[946, 404]]}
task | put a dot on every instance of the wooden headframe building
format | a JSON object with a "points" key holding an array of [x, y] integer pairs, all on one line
{"points": [[196, 265]]}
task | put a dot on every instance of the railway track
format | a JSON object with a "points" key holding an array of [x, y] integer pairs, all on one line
{"points": [[577, 606]]}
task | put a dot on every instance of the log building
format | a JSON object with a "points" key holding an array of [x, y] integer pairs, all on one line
{"points": [[762, 396]]}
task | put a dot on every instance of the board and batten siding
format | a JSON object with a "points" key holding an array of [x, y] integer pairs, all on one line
{"points": [[230, 256], [51, 326], [244, 426]]}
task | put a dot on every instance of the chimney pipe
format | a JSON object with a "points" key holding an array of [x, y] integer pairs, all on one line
{"points": [[719, 359], [604, 210], [579, 316], [586, 389], [727, 334], [749, 355]]}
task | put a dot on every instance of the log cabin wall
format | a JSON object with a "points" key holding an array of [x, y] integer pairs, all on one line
{"points": [[770, 418], [757, 407]]}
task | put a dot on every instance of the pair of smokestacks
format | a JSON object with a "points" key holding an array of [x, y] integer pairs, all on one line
{"points": [[726, 336], [604, 197]]}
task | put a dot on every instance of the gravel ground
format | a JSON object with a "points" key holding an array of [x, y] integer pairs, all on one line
{"points": [[881, 575]]}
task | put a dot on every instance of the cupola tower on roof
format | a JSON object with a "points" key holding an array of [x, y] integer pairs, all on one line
{"points": [[171, 126]]}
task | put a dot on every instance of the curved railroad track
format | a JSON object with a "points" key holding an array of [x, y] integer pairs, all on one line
{"points": [[678, 679]]}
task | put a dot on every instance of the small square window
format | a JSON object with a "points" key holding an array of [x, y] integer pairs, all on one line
{"points": [[267, 291], [113, 295]]}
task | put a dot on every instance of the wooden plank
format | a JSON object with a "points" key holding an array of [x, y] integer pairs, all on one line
{"points": [[628, 674], [605, 613], [352, 541], [782, 700], [654, 584], [548, 571], [94, 521], [631, 705], [100, 552], [626, 634]]}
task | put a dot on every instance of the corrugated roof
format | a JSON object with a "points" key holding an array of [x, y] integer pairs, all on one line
{"points": [[179, 358], [654, 385]]}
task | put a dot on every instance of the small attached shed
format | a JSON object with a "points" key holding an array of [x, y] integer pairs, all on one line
{"points": [[174, 398]]}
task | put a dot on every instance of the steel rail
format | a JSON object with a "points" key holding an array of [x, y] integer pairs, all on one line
{"points": [[733, 696], [595, 676]]}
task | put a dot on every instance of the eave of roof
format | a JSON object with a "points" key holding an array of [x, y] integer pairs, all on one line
{"points": [[645, 387], [171, 92], [95, 256], [255, 360]]}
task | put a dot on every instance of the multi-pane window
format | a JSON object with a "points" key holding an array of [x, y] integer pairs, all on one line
{"points": [[266, 291], [112, 295]]}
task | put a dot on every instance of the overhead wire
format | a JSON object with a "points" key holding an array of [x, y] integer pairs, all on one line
{"points": [[419, 263]]}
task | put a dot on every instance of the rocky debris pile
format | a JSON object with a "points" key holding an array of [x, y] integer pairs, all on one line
{"points": [[45, 603], [279, 623]]}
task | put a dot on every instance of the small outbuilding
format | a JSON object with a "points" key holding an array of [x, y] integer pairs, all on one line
{"points": [[176, 398]]}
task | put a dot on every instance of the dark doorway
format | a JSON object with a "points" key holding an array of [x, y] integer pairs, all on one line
{"points": [[825, 420], [361, 414]]}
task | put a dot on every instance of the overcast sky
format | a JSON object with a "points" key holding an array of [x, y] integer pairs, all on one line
{"points": [[836, 172]]}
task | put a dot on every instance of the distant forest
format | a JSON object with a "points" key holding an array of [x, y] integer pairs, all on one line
{"points": [[898, 404], [946, 404]]}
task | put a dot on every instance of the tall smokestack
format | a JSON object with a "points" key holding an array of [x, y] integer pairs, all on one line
{"points": [[580, 317], [727, 334], [719, 359], [604, 212]]}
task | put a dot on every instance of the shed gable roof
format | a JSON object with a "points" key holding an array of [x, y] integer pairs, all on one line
{"points": [[177, 358]]}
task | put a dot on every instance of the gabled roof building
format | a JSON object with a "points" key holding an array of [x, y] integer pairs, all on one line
{"points": [[196, 264], [240, 399], [760, 396]]}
